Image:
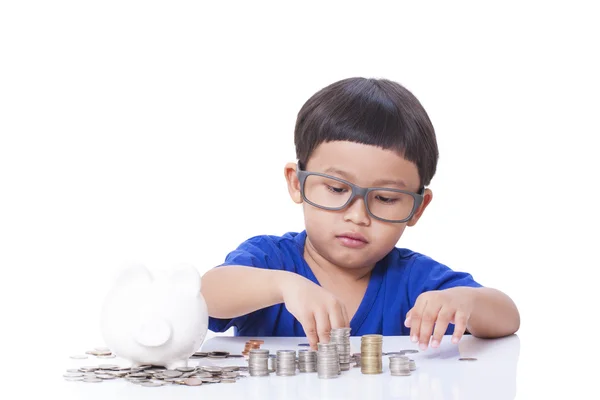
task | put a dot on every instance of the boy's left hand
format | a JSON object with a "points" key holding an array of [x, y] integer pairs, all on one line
{"points": [[439, 308]]}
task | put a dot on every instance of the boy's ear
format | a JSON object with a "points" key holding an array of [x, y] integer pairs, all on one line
{"points": [[427, 197], [292, 182]]}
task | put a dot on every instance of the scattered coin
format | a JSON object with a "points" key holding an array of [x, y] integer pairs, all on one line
{"points": [[193, 381], [218, 354], [408, 351], [92, 380]]}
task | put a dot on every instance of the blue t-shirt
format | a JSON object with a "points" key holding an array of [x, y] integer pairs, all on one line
{"points": [[395, 283]]}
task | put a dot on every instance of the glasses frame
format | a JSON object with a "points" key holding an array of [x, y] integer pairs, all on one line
{"points": [[358, 191]]}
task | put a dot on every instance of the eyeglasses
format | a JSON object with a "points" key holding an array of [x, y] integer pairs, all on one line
{"points": [[332, 193]]}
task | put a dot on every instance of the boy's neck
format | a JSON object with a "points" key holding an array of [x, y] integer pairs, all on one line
{"points": [[316, 261]]}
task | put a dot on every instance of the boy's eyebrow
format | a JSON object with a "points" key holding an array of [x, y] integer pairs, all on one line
{"points": [[379, 182]]}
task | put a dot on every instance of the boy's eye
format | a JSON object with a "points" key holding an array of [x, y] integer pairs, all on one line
{"points": [[388, 200], [335, 189]]}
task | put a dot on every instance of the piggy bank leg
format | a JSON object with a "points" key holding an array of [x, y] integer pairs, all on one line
{"points": [[177, 364]]}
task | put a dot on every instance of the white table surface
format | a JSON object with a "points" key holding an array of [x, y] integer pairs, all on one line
{"points": [[439, 375]]}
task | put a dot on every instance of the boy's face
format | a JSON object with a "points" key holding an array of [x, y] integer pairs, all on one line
{"points": [[365, 166]]}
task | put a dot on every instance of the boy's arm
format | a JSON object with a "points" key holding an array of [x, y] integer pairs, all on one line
{"points": [[485, 312], [494, 313], [231, 291]]}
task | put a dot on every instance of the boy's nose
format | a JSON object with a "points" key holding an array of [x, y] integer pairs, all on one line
{"points": [[357, 212]]}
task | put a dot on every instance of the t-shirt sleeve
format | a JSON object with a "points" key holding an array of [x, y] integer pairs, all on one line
{"points": [[427, 274], [258, 252]]}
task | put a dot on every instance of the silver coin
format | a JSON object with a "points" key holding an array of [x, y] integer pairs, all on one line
{"points": [[105, 376], [92, 380], [409, 351], [108, 366], [73, 374], [102, 349], [74, 370], [170, 373], [186, 369], [107, 356], [211, 368], [151, 384]]}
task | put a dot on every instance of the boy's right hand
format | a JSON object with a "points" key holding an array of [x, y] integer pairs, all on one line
{"points": [[314, 307]]}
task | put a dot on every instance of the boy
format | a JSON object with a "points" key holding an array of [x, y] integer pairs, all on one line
{"points": [[366, 151]]}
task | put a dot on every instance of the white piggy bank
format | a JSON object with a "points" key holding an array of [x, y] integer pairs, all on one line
{"points": [[155, 320]]}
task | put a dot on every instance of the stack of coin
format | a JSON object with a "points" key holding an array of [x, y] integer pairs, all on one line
{"points": [[258, 363], [328, 361], [371, 354], [307, 360], [341, 337], [399, 365], [411, 364], [286, 363], [252, 344], [272, 363]]}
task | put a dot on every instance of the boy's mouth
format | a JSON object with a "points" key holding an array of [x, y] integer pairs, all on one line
{"points": [[352, 240]]}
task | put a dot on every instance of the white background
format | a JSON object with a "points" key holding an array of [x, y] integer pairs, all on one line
{"points": [[157, 132]]}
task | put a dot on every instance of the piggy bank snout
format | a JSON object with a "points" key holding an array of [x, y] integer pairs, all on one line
{"points": [[153, 332]]}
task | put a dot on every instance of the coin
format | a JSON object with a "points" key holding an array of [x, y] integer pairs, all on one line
{"points": [[151, 384], [409, 351], [193, 381], [92, 380], [218, 354], [304, 344], [467, 359]]}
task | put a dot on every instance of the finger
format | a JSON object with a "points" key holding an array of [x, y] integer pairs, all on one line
{"points": [[428, 319], [345, 314], [323, 326], [441, 325], [407, 322], [415, 318], [460, 326], [336, 316], [310, 329]]}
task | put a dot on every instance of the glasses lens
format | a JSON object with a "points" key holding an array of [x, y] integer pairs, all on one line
{"points": [[390, 205], [326, 192]]}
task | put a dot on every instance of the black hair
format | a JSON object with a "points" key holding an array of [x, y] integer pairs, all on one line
{"points": [[370, 111]]}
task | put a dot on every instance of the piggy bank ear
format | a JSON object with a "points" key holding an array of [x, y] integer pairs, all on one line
{"points": [[186, 278], [134, 274]]}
